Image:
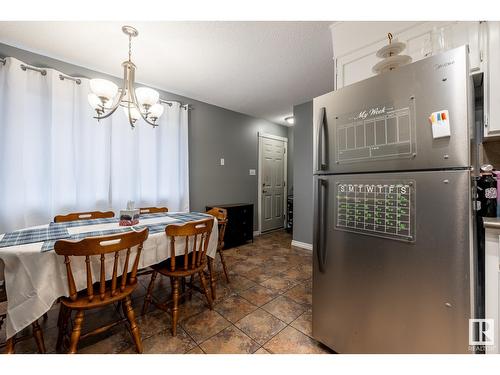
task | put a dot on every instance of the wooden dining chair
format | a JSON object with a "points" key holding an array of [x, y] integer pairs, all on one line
{"points": [[192, 261], [102, 293], [10, 343], [221, 215], [83, 216], [152, 210]]}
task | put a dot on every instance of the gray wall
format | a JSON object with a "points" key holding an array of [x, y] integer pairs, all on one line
{"points": [[214, 132], [302, 173]]}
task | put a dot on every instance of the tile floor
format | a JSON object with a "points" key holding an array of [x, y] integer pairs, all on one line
{"points": [[266, 308]]}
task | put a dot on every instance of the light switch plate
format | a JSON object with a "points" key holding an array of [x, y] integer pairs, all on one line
{"points": [[221, 161], [251, 172]]}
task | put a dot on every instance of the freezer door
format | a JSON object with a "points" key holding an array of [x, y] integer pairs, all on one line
{"points": [[416, 117], [392, 262]]}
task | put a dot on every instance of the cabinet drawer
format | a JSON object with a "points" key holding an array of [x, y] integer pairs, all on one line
{"points": [[240, 224]]}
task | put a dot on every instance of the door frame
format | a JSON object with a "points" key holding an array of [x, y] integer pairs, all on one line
{"points": [[261, 135]]}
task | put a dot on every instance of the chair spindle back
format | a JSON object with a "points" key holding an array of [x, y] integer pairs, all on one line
{"points": [[197, 234], [100, 246]]}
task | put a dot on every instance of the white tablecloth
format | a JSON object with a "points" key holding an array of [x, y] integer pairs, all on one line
{"points": [[34, 280]]}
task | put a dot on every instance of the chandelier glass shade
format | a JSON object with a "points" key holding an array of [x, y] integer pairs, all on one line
{"points": [[142, 102]]}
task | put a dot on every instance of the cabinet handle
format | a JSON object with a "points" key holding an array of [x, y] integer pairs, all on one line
{"points": [[483, 30]]}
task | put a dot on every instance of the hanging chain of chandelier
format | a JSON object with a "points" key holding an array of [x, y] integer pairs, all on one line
{"points": [[142, 102]]}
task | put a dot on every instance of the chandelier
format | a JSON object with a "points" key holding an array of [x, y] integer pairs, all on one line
{"points": [[143, 102]]}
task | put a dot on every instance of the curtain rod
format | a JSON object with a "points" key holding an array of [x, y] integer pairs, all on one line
{"points": [[169, 103], [43, 72], [62, 77]]}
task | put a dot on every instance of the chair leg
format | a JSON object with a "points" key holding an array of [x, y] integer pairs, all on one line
{"points": [[64, 316], [134, 328], [38, 335], [205, 289], [9, 345], [77, 330], [211, 273], [191, 283], [175, 309], [183, 285], [223, 265], [147, 299]]}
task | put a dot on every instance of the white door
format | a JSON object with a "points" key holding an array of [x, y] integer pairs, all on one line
{"points": [[272, 183]]}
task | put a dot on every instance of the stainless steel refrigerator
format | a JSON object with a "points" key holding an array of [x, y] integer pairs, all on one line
{"points": [[394, 252]]}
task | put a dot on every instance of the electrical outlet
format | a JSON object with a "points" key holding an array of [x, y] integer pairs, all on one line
{"points": [[251, 172], [221, 161]]}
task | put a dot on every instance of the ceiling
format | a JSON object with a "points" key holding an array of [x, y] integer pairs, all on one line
{"points": [[258, 68]]}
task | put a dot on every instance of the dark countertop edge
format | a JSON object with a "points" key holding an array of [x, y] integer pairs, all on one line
{"points": [[491, 222]]}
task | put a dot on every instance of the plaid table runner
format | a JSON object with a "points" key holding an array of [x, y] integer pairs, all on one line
{"points": [[153, 228], [183, 217], [49, 245], [22, 237]]}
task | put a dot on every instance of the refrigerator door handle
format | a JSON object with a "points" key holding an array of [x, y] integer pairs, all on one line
{"points": [[322, 142], [320, 228]]}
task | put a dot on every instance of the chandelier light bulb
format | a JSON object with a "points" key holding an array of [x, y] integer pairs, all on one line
{"points": [[94, 101], [134, 113], [104, 89], [147, 97], [156, 111]]}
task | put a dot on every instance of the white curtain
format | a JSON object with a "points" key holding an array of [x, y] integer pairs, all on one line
{"points": [[56, 158]]}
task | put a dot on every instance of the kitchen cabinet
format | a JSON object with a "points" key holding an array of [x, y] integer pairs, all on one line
{"points": [[239, 228], [356, 43], [492, 82]]}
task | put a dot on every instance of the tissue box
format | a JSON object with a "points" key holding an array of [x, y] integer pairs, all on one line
{"points": [[129, 217]]}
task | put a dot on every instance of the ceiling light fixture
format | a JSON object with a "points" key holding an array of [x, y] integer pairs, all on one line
{"points": [[143, 102], [290, 120]]}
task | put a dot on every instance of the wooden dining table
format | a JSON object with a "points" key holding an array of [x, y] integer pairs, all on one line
{"points": [[35, 275]]}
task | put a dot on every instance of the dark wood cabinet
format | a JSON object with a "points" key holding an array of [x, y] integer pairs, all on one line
{"points": [[239, 229]]}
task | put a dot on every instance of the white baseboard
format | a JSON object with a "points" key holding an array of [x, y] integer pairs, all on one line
{"points": [[302, 245], [256, 233]]}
